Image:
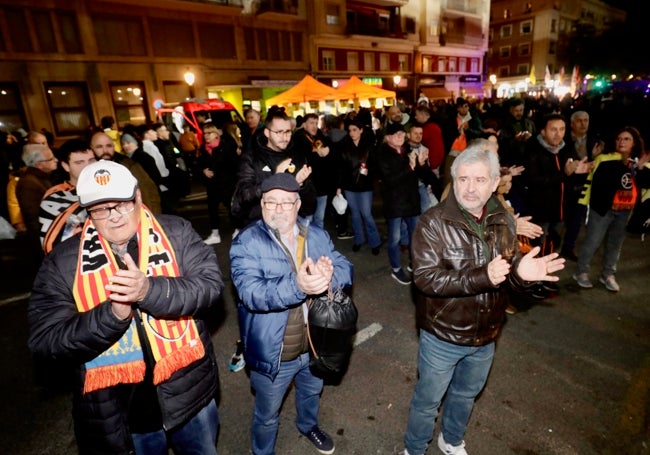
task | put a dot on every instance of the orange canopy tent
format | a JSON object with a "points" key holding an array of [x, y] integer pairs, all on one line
{"points": [[308, 89], [355, 88]]}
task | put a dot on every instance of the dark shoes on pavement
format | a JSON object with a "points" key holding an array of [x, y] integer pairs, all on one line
{"points": [[401, 277], [345, 235], [321, 440]]}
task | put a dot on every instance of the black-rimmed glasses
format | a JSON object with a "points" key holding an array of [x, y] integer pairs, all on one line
{"points": [[281, 133], [272, 205], [123, 208]]}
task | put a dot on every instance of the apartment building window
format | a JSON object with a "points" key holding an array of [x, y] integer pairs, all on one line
{"points": [[369, 61], [491, 34], [129, 102], [172, 38], [69, 29], [403, 62], [262, 44], [452, 64], [523, 69], [426, 64], [506, 31], [523, 49], [474, 68], [462, 65], [17, 30], [223, 34], [552, 47], [506, 13], [296, 41], [553, 25], [273, 38], [384, 62], [70, 108], [119, 35], [12, 113], [526, 27], [44, 31], [504, 71], [442, 64], [328, 61], [332, 14], [504, 51], [353, 61]]}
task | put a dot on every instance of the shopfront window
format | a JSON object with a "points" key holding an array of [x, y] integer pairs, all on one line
{"points": [[12, 114], [70, 108], [129, 102]]}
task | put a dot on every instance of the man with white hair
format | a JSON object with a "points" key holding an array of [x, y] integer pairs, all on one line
{"points": [[40, 162], [465, 256]]}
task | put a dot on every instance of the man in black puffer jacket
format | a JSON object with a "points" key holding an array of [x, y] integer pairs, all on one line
{"points": [[124, 302]]}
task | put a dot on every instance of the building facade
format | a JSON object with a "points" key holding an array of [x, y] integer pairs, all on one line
{"points": [[67, 63], [529, 42]]}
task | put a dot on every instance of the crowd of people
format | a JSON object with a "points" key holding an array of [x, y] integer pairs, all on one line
{"points": [[480, 201]]}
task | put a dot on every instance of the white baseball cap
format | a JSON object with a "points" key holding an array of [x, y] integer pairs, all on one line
{"points": [[104, 181]]}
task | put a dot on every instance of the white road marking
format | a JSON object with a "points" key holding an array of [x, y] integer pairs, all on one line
{"points": [[367, 333]]}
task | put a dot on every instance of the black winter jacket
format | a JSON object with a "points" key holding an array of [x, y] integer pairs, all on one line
{"points": [[59, 331], [254, 168], [455, 299]]}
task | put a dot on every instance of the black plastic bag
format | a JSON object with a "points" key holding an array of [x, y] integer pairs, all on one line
{"points": [[332, 322]]}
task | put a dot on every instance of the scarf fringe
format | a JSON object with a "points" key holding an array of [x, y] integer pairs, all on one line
{"points": [[111, 375], [176, 360]]}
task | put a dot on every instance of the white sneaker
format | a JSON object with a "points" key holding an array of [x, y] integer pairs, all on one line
{"points": [[213, 239], [448, 449]]}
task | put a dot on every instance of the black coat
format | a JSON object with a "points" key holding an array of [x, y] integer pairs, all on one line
{"points": [[59, 331], [399, 184]]}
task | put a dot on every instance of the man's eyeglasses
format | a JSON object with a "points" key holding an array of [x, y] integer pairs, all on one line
{"points": [[272, 205], [123, 208], [281, 133]]}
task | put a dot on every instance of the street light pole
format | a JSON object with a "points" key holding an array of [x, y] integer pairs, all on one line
{"points": [[189, 80]]}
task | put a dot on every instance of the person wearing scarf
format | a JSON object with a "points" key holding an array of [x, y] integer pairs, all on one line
{"points": [[123, 303]]}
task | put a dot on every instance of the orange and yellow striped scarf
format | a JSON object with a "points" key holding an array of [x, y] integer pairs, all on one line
{"points": [[175, 343]]}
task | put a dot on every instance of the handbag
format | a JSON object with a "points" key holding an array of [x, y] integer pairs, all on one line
{"points": [[332, 324]]}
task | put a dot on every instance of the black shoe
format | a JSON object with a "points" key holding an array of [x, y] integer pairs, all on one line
{"points": [[356, 247], [375, 251], [345, 235], [321, 440], [551, 286], [538, 292], [401, 277]]}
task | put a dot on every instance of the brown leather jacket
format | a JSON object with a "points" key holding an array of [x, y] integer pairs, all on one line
{"points": [[455, 299]]}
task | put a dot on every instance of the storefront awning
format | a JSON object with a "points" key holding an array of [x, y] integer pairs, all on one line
{"points": [[435, 93]]}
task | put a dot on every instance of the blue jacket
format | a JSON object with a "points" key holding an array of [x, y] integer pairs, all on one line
{"points": [[267, 288]]}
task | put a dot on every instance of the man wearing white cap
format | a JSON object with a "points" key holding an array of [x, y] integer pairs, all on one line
{"points": [[123, 303]]}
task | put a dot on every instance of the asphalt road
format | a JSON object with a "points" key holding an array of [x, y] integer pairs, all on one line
{"points": [[571, 374]]}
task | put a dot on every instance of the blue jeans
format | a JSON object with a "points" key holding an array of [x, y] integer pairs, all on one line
{"points": [[394, 234], [611, 228], [425, 198], [461, 372], [360, 203], [196, 437], [269, 396], [573, 224], [319, 214]]}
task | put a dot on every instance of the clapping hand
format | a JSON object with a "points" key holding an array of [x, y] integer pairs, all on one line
{"points": [[127, 287], [314, 278], [531, 268]]}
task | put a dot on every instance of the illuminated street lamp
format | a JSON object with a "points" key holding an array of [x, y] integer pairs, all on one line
{"points": [[493, 81], [189, 80], [397, 79]]}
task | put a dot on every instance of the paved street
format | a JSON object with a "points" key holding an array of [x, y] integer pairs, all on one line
{"points": [[571, 374]]}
